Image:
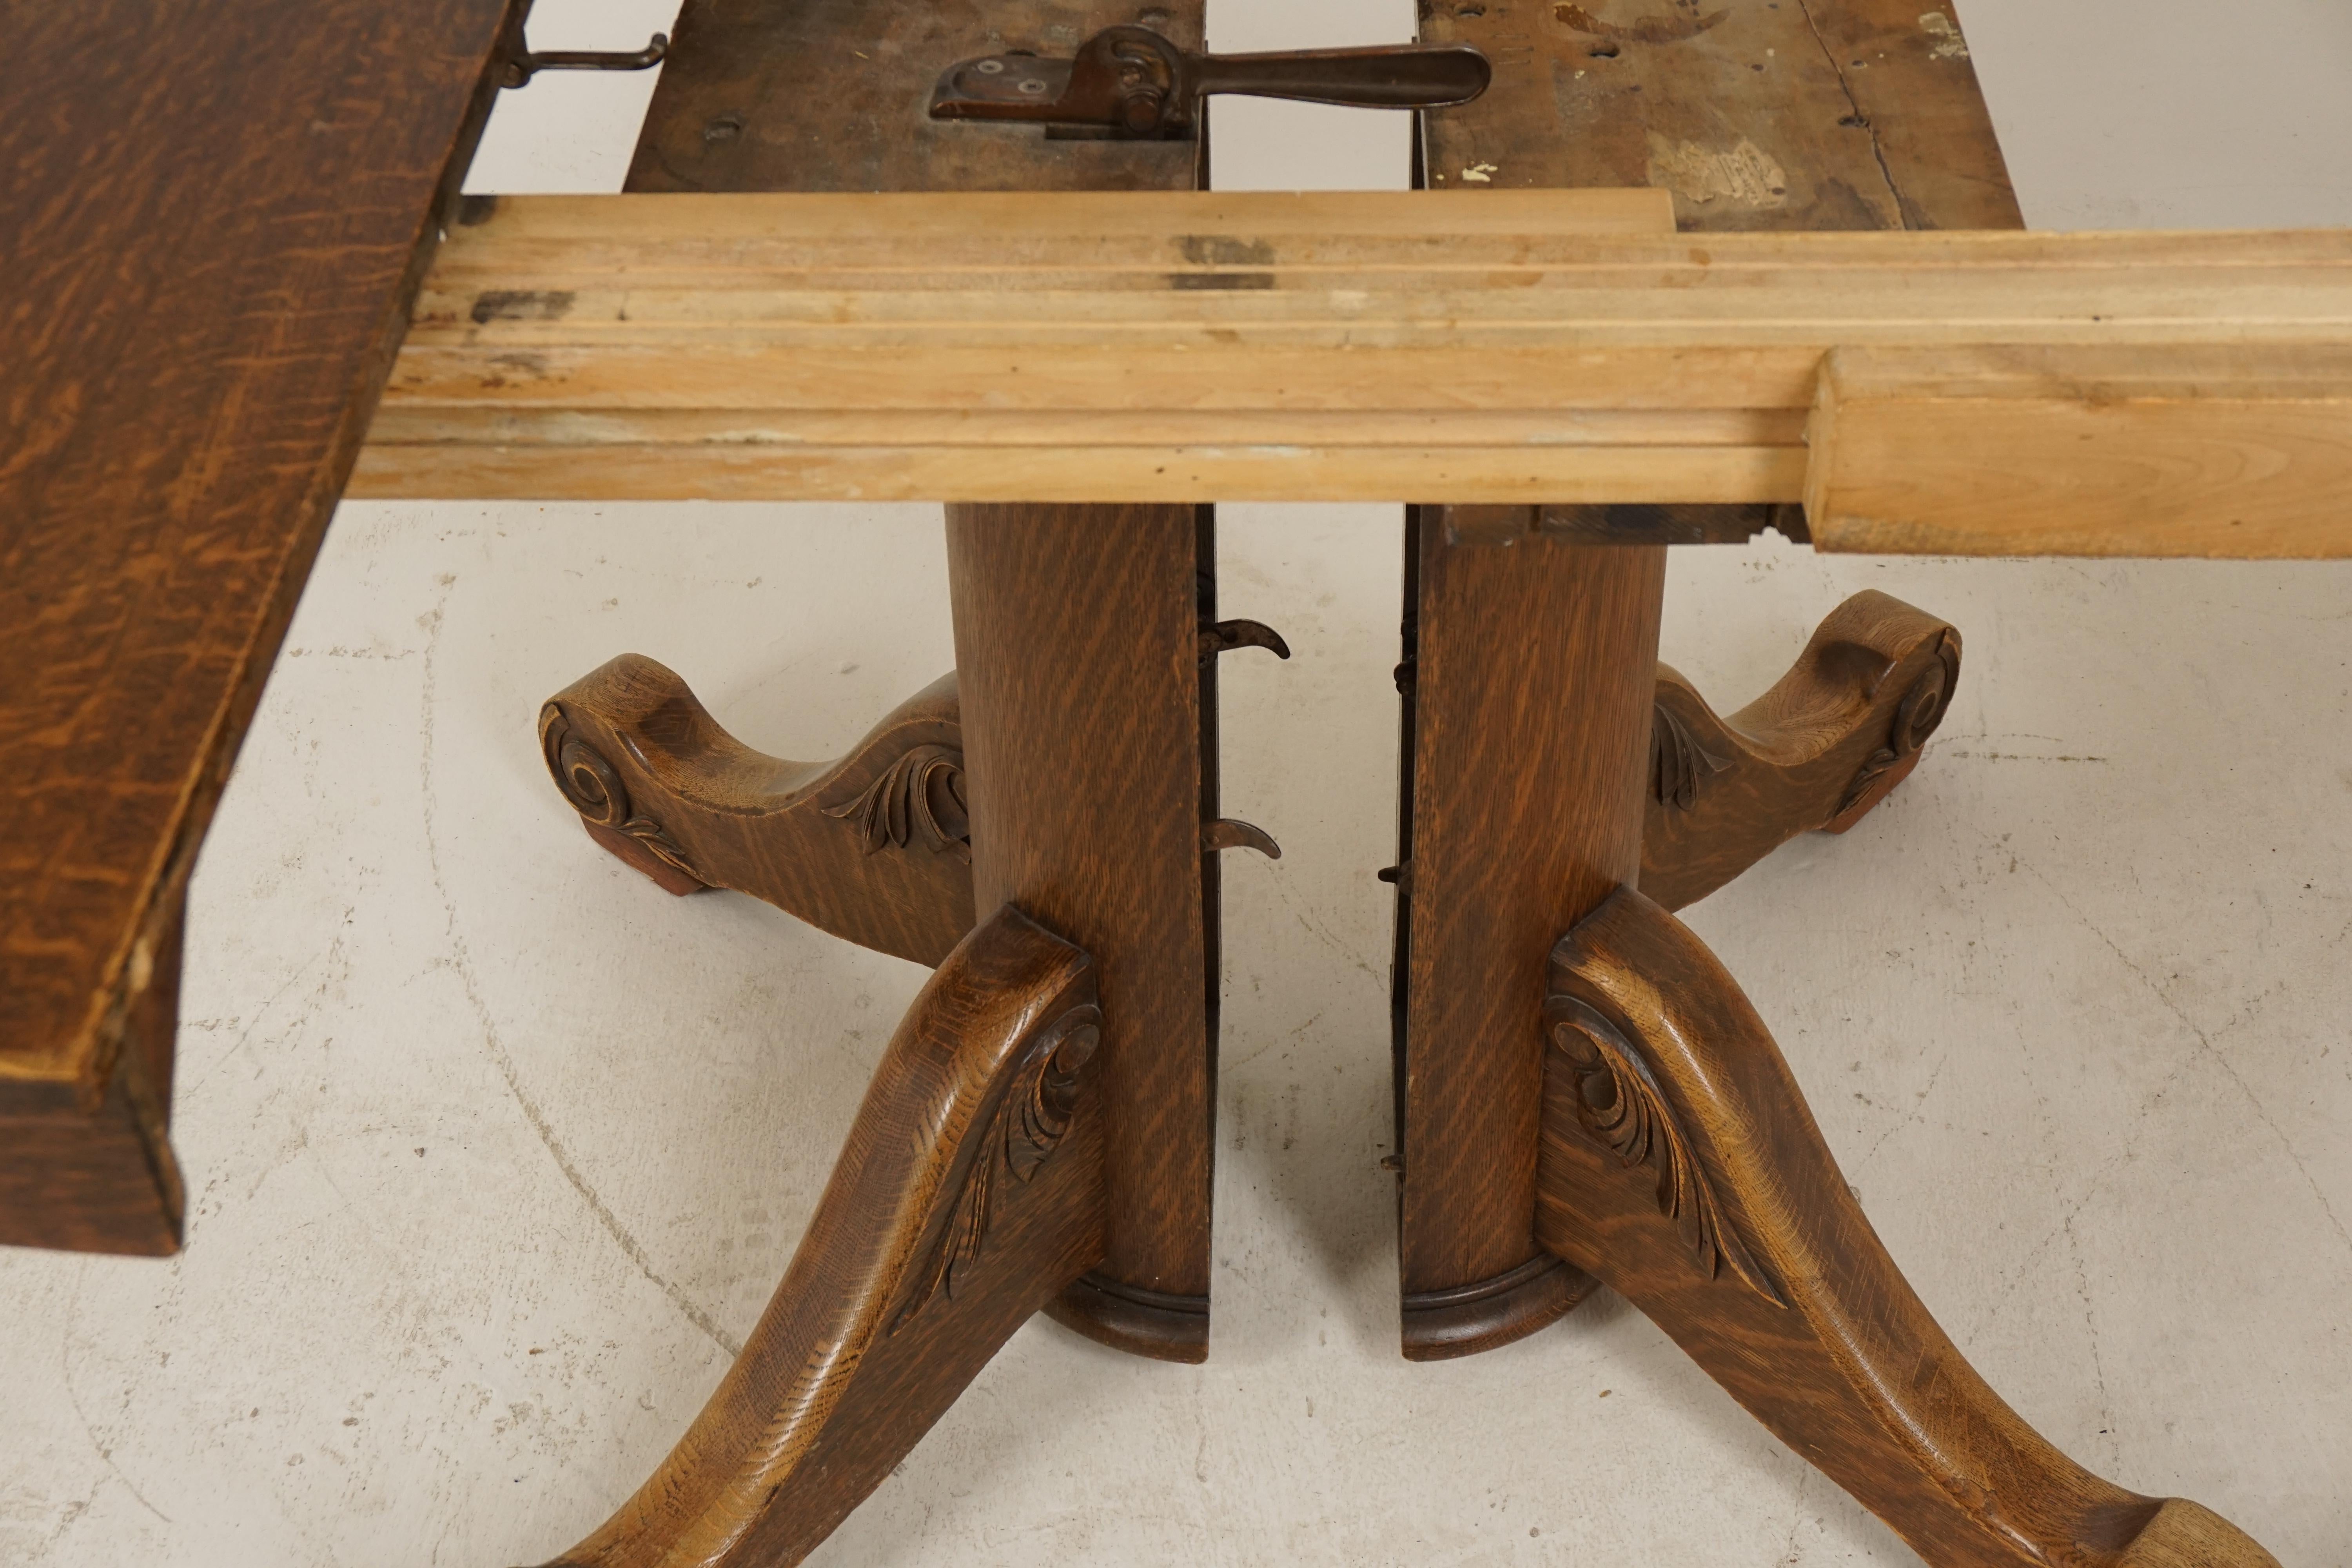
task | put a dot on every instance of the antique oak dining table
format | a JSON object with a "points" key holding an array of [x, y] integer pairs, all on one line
{"points": [[230, 218]]}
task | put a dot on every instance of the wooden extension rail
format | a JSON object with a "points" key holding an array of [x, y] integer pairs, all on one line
{"points": [[1941, 392]]}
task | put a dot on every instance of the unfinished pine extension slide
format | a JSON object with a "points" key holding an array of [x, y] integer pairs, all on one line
{"points": [[1972, 393]]}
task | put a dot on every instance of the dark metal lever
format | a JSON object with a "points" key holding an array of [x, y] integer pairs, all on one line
{"points": [[1133, 81], [1233, 833], [522, 65], [1223, 636]]}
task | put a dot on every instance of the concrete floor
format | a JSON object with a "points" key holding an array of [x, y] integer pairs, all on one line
{"points": [[495, 1150]]}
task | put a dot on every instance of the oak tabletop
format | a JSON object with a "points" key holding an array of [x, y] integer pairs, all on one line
{"points": [[210, 218]]}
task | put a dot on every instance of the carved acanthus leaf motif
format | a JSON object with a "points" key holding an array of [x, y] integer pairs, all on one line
{"points": [[1619, 1102], [919, 796], [1916, 719], [1028, 1123], [1678, 763], [594, 790]]}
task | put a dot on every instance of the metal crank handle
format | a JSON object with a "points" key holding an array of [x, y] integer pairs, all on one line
{"points": [[1131, 82], [1385, 78]]}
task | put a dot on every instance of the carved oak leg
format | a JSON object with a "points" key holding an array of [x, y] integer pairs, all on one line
{"points": [[969, 1194], [1827, 744], [873, 846], [1680, 1165]]}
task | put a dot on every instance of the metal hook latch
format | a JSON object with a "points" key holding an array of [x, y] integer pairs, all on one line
{"points": [[1233, 833], [522, 65], [1224, 637], [1131, 81]]}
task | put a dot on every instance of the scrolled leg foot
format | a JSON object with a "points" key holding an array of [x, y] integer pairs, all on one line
{"points": [[1680, 1165], [873, 846], [1828, 743], [969, 1193]]}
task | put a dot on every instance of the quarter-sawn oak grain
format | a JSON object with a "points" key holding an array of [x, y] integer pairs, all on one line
{"points": [[1582, 96], [211, 218], [969, 1191], [1077, 652], [1531, 683], [1682, 1167]]}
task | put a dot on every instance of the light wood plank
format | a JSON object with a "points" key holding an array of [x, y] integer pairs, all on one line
{"points": [[1487, 347], [609, 471], [2232, 453], [991, 217]]}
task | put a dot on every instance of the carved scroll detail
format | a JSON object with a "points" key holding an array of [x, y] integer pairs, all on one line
{"points": [[1620, 1104], [594, 787], [1916, 719], [920, 797], [769, 826], [1678, 763], [1818, 752], [1027, 1125]]}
